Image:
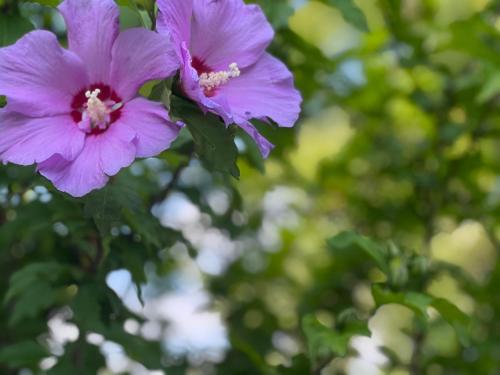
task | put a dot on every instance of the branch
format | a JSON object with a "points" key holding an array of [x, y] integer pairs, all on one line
{"points": [[100, 253], [416, 358], [78, 355]]}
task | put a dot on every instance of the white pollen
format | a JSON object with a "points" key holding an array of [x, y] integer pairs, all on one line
{"points": [[96, 113], [213, 80], [93, 94]]}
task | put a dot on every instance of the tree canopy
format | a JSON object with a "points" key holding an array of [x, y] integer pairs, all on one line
{"points": [[367, 243]]}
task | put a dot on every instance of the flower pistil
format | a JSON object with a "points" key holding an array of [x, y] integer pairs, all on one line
{"points": [[212, 80], [96, 113]]}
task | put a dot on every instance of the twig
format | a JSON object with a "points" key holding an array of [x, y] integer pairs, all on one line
{"points": [[78, 355], [99, 254], [3, 217], [416, 357]]}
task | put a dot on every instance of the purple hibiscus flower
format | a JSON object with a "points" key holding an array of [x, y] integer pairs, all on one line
{"points": [[76, 113], [221, 45]]}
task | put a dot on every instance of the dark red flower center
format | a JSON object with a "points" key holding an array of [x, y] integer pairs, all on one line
{"points": [[104, 95], [200, 66]]}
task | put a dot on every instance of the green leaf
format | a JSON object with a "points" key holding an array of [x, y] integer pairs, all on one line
{"points": [[277, 11], [141, 8], [479, 47], [119, 204], [252, 153], [420, 303], [251, 353], [351, 13], [105, 207], [34, 300], [454, 316], [132, 257], [33, 274], [79, 358], [145, 352], [324, 341], [96, 307], [417, 302], [148, 226], [13, 27], [87, 308], [162, 92], [23, 354], [490, 89], [49, 3], [214, 142], [3, 101], [351, 241], [300, 366], [34, 289]]}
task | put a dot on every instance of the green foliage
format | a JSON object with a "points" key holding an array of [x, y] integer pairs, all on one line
{"points": [[26, 353], [79, 358], [325, 342], [214, 143], [33, 289], [12, 27], [277, 11], [420, 304], [351, 12], [348, 242], [48, 2], [376, 216]]}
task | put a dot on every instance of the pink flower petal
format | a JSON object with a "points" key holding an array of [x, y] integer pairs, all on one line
{"points": [[93, 26], [154, 131], [138, 56], [174, 19], [39, 77], [117, 149], [191, 86], [103, 155], [265, 89], [229, 31], [264, 145], [78, 177], [25, 140]]}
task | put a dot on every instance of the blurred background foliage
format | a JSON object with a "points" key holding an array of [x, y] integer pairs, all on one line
{"points": [[367, 244]]}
